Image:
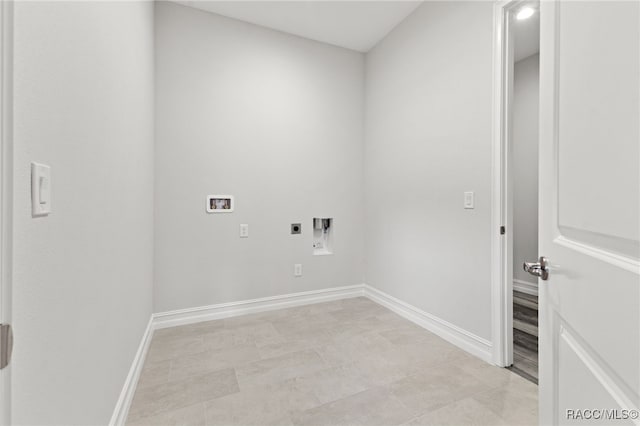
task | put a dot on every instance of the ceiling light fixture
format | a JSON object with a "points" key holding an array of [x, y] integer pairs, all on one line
{"points": [[525, 13]]}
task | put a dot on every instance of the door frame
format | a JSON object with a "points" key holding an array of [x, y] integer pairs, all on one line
{"points": [[501, 184], [6, 190]]}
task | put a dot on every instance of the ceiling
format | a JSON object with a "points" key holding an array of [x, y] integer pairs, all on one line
{"points": [[527, 37], [357, 25]]}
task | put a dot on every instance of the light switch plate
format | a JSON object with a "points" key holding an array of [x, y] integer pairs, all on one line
{"points": [[469, 200], [40, 189], [297, 270]]}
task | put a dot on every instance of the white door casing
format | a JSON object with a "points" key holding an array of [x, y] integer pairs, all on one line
{"points": [[589, 326], [501, 211], [6, 192]]}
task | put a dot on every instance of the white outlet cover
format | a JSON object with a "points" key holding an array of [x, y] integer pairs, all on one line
{"points": [[297, 270], [469, 200], [244, 230]]}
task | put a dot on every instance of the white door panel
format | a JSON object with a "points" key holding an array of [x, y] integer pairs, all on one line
{"points": [[589, 208], [575, 362], [598, 132]]}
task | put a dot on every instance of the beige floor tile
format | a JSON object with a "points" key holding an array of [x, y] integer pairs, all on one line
{"points": [[154, 373], [294, 345], [377, 406], [487, 373], [283, 314], [394, 319], [408, 333], [223, 339], [466, 412], [315, 308], [305, 324], [280, 368], [358, 312], [162, 349], [173, 395], [376, 370], [335, 383], [284, 421], [250, 319], [345, 362], [434, 388], [259, 334], [421, 356], [346, 332], [318, 333], [359, 303], [378, 323], [260, 405], [516, 402], [205, 362], [189, 329], [348, 348], [193, 415]]}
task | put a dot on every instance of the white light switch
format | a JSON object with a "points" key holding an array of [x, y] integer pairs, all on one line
{"points": [[297, 270], [244, 230], [40, 189], [468, 200]]}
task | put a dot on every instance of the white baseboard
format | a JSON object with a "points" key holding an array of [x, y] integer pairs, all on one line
{"points": [[462, 338], [525, 287], [232, 309], [121, 411]]}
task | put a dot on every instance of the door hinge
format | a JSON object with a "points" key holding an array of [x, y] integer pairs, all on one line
{"points": [[6, 344], [502, 230]]}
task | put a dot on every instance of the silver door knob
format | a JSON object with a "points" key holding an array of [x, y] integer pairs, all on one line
{"points": [[539, 269]]}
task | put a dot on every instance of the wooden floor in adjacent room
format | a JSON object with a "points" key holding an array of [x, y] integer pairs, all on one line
{"points": [[525, 336], [344, 362]]}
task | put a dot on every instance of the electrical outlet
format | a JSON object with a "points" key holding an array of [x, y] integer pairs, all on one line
{"points": [[469, 200], [297, 270], [244, 231]]}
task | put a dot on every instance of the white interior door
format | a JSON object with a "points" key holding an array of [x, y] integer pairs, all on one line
{"points": [[590, 210]]}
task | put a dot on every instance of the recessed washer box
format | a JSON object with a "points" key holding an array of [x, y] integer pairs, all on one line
{"points": [[322, 236]]}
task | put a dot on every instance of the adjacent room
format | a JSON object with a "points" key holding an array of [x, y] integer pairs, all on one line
{"points": [[524, 205], [319, 212]]}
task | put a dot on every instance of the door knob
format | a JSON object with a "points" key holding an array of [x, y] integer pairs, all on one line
{"points": [[539, 269]]}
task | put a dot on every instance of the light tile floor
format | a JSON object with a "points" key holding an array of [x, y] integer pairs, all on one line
{"points": [[348, 362]]}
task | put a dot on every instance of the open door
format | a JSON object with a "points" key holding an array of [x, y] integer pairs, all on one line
{"points": [[590, 212]]}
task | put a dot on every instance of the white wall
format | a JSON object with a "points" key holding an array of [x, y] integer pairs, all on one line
{"points": [[273, 119], [83, 276], [525, 165], [428, 140]]}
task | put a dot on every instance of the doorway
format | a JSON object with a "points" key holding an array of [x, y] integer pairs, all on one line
{"points": [[588, 250], [515, 196], [523, 148]]}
